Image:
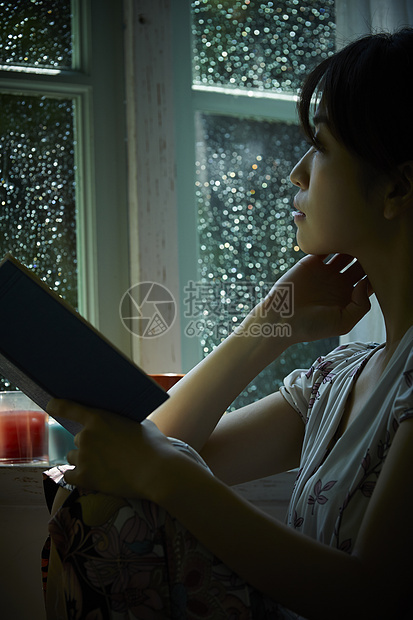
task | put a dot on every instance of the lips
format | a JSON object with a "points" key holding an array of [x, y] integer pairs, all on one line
{"points": [[297, 210]]}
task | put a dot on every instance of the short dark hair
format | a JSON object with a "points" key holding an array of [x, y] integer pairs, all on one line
{"points": [[366, 93]]}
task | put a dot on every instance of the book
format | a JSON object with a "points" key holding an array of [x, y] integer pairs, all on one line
{"points": [[48, 350]]}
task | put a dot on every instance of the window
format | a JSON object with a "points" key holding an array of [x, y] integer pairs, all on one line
{"points": [[248, 60], [174, 105], [63, 204], [38, 214]]}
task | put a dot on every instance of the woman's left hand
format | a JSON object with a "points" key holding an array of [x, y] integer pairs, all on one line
{"points": [[114, 455]]}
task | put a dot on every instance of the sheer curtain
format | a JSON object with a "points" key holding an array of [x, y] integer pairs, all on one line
{"points": [[356, 18]]}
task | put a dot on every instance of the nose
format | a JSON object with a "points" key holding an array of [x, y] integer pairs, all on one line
{"points": [[299, 175]]}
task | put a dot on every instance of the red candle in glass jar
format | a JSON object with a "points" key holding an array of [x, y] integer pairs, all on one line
{"points": [[166, 379], [23, 430]]}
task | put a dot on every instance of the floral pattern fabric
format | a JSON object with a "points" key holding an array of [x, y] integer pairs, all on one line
{"points": [[336, 478], [129, 559]]}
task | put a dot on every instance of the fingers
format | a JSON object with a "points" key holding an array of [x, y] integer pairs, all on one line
{"points": [[68, 409], [72, 457], [340, 261], [344, 263], [348, 266], [77, 413], [370, 289], [359, 305], [361, 293], [70, 476], [355, 272]]}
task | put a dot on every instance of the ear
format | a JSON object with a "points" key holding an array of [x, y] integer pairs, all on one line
{"points": [[400, 193]]}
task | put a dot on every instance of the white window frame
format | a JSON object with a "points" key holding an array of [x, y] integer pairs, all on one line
{"points": [[96, 84]]}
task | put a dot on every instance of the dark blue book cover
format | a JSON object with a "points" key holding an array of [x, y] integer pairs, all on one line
{"points": [[48, 350]]}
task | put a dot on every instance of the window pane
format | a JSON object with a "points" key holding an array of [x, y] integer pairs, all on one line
{"points": [[36, 33], [264, 45], [37, 188], [246, 231]]}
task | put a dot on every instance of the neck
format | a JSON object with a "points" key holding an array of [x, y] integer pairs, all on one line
{"points": [[390, 271]]}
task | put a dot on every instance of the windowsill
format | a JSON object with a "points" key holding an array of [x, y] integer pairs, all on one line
{"points": [[22, 485]]}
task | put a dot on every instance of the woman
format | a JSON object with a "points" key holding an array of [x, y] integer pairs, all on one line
{"points": [[193, 548]]}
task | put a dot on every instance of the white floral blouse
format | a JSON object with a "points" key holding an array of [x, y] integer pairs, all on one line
{"points": [[334, 485]]}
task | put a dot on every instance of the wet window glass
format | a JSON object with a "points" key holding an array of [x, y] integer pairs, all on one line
{"points": [[247, 237], [36, 33], [37, 188], [260, 45]]}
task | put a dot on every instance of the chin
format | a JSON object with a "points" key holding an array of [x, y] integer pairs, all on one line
{"points": [[317, 248]]}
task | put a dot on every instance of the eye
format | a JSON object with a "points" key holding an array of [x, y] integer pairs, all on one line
{"points": [[317, 144]]}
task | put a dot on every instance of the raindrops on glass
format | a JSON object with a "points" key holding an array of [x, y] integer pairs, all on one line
{"points": [[247, 237], [36, 33], [37, 188], [260, 45], [37, 141]]}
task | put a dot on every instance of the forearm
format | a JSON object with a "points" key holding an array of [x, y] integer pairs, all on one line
{"points": [[199, 399]]}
